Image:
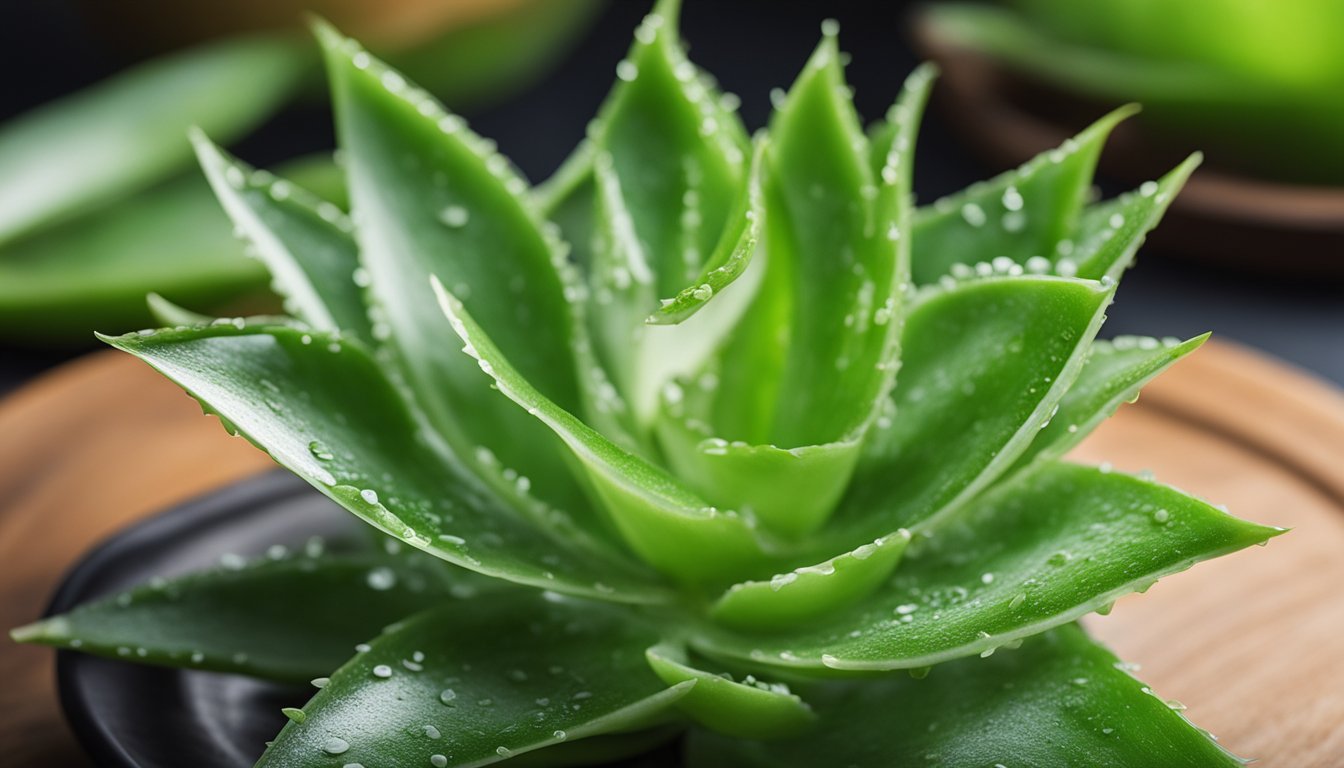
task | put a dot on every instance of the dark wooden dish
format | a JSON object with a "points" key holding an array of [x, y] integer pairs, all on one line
{"points": [[1222, 218]]}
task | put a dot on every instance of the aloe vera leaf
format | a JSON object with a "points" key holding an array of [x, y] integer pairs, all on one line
{"points": [[670, 173], [1017, 215], [129, 132], [793, 490], [433, 198], [985, 364], [305, 242], [1068, 540], [808, 361], [325, 410], [511, 674], [747, 708], [1109, 234], [169, 314], [662, 520], [288, 617], [806, 594], [1060, 698], [1113, 374]]}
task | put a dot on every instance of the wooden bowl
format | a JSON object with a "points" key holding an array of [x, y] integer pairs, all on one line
{"points": [[1221, 218]]}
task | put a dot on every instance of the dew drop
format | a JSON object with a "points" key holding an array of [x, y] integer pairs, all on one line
{"points": [[383, 671], [447, 696], [455, 216], [381, 579], [335, 746]]}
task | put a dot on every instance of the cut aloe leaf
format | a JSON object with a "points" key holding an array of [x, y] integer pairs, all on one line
{"points": [[1068, 540], [1058, 699], [325, 410], [130, 131], [1114, 373], [1019, 215], [287, 616], [746, 708], [511, 675]]}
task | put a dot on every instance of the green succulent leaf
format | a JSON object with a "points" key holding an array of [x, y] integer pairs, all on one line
{"points": [[805, 594], [289, 617], [747, 708], [984, 366], [128, 132], [1113, 374], [434, 198], [660, 518], [475, 684], [1061, 699], [325, 410], [1109, 234], [809, 360], [1067, 540], [305, 242], [1018, 215]]}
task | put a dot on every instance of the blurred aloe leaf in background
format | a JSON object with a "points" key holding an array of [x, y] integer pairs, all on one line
{"points": [[99, 199], [1256, 84]]}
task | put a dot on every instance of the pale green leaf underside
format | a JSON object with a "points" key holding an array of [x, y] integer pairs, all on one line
{"points": [[326, 411], [746, 708], [291, 618], [1061, 699], [480, 682], [130, 131], [1067, 540]]}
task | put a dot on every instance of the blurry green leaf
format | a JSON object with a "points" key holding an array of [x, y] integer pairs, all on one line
{"points": [[1017, 215], [327, 412], [1112, 375], [130, 131], [291, 618], [746, 708], [1067, 540], [508, 675], [1059, 700]]}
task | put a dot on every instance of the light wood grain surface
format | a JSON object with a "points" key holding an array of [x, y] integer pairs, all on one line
{"points": [[1252, 643]]}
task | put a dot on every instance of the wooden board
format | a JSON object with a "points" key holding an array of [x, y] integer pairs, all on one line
{"points": [[1252, 642]]}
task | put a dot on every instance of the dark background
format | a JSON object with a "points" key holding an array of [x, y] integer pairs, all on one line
{"points": [[47, 50]]}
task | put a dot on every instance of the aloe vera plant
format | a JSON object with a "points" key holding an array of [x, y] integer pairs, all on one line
{"points": [[709, 435]]}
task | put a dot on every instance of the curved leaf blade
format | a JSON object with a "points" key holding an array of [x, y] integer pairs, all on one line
{"points": [[1068, 540], [292, 618], [1114, 373], [1059, 699], [305, 242], [325, 410], [431, 197], [502, 678], [667, 524], [1109, 234], [1024, 213], [984, 366], [747, 708]]}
